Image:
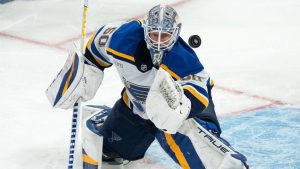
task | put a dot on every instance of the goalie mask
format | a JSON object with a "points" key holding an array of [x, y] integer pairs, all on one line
{"points": [[161, 31]]}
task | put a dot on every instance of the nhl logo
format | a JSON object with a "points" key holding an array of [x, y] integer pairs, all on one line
{"points": [[144, 67]]}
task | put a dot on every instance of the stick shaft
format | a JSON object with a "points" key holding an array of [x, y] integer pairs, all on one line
{"points": [[83, 26], [74, 134], [77, 105]]}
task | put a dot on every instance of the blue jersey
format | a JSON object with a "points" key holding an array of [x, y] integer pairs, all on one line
{"points": [[122, 44]]}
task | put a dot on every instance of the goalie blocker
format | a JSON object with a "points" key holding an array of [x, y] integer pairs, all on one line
{"points": [[195, 145]]}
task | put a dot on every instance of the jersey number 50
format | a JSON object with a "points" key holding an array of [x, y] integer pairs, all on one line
{"points": [[104, 37]]}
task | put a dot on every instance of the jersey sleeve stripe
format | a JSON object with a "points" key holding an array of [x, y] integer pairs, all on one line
{"points": [[198, 87], [103, 64], [96, 54], [174, 75], [89, 56], [178, 153], [91, 41], [202, 98], [121, 55], [98, 57]]}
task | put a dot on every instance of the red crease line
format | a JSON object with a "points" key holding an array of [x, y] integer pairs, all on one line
{"points": [[72, 39], [31, 41], [246, 110], [239, 92]]}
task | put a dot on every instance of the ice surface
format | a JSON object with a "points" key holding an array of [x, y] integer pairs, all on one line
{"points": [[269, 138]]}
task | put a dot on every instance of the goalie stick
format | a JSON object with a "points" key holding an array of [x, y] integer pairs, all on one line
{"points": [[77, 105]]}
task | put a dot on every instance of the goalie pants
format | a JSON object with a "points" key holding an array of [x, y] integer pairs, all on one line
{"points": [[127, 135]]}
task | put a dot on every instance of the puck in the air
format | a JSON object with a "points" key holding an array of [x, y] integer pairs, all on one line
{"points": [[194, 41]]}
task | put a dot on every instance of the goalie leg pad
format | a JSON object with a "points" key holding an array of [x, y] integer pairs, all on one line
{"points": [[96, 115], [92, 142], [194, 147], [180, 148]]}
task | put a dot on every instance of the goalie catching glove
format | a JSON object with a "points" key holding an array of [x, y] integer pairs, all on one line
{"points": [[75, 80], [166, 105]]}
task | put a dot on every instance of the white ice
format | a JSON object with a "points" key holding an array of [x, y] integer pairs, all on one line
{"points": [[250, 48]]}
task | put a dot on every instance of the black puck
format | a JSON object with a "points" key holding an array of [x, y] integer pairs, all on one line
{"points": [[194, 41]]}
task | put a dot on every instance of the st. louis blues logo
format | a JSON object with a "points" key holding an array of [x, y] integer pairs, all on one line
{"points": [[138, 92]]}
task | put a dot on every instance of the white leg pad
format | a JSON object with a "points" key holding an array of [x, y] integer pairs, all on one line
{"points": [[231, 163], [213, 153], [92, 145]]}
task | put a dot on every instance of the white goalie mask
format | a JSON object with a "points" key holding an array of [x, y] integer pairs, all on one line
{"points": [[161, 31]]}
